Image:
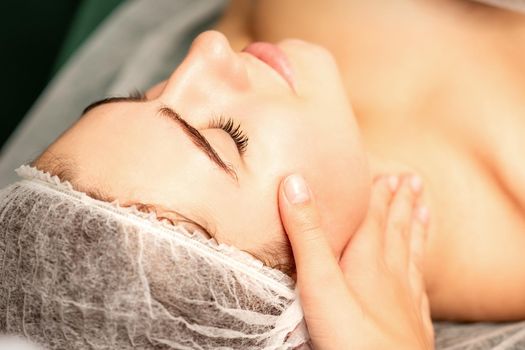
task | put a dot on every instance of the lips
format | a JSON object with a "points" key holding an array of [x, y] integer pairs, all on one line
{"points": [[274, 57]]}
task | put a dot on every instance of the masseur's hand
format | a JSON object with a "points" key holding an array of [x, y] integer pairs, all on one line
{"points": [[372, 297]]}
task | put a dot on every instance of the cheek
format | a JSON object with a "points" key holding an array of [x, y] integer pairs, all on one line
{"points": [[246, 217], [287, 128], [326, 149]]}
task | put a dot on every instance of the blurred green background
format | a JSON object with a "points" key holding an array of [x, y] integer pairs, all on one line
{"points": [[36, 38]]}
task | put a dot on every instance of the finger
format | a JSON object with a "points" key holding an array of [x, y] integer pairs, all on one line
{"points": [[319, 277], [417, 248], [367, 243], [419, 233], [427, 320], [397, 235]]}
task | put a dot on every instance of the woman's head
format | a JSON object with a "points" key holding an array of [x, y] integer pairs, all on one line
{"points": [[149, 151]]}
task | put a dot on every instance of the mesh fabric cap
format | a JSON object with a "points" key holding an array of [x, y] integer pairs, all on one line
{"points": [[77, 273]]}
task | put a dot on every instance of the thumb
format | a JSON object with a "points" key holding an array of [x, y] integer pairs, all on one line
{"points": [[317, 267]]}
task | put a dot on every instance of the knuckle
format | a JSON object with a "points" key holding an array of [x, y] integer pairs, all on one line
{"points": [[308, 225], [311, 233]]}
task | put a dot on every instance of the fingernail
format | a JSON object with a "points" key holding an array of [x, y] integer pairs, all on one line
{"points": [[393, 182], [296, 190], [416, 184], [422, 214]]}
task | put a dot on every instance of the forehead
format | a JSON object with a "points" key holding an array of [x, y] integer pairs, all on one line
{"points": [[131, 156]]}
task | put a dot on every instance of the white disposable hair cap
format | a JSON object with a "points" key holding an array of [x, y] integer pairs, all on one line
{"points": [[79, 273]]}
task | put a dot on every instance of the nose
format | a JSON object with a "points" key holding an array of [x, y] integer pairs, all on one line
{"points": [[210, 66], [212, 45]]}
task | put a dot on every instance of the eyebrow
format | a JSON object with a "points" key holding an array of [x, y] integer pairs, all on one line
{"points": [[194, 134], [199, 141]]}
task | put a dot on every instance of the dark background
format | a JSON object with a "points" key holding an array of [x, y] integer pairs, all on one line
{"points": [[36, 38]]}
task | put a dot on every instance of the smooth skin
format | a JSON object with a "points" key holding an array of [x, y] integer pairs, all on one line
{"points": [[132, 153], [437, 87], [375, 288]]}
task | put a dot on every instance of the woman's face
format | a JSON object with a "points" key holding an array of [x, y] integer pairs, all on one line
{"points": [[132, 152]]}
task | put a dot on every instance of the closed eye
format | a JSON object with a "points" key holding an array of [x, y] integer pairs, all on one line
{"points": [[234, 130]]}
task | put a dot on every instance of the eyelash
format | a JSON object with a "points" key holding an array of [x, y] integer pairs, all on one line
{"points": [[234, 130], [228, 125]]}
